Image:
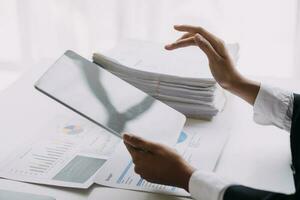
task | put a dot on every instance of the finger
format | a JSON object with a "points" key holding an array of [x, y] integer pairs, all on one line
{"points": [[137, 170], [181, 43], [186, 35], [136, 155], [131, 150], [206, 47], [140, 143], [215, 42]]}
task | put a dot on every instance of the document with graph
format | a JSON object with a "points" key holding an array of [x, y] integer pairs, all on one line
{"points": [[201, 148], [68, 153], [73, 152]]}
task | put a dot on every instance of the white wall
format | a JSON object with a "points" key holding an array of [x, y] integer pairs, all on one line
{"points": [[34, 30]]}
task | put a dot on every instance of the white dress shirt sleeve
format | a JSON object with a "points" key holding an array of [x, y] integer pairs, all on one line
{"points": [[207, 186], [273, 106]]}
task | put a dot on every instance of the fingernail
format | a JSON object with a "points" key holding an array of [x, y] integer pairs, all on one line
{"points": [[168, 46], [127, 136]]}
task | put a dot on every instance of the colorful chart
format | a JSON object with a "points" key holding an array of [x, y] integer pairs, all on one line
{"points": [[72, 129], [182, 137]]}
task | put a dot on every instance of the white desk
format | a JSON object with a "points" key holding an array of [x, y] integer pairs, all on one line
{"points": [[250, 156]]}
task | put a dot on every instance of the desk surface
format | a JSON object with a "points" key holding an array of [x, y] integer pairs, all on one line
{"points": [[257, 156]]}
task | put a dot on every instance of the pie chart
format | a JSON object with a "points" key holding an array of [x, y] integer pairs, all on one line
{"points": [[72, 129], [182, 137]]}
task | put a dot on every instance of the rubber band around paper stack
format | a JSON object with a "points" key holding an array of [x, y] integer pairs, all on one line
{"points": [[200, 98]]}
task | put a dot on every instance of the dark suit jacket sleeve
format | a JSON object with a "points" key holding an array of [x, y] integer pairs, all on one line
{"points": [[239, 192]]}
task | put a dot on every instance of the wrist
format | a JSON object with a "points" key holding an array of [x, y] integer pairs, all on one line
{"points": [[233, 81], [186, 174], [244, 88]]}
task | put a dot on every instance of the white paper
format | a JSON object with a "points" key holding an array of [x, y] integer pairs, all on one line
{"points": [[180, 78], [65, 144], [201, 149], [119, 173], [151, 57]]}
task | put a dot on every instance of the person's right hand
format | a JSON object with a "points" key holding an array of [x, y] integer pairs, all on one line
{"points": [[220, 63], [158, 163]]}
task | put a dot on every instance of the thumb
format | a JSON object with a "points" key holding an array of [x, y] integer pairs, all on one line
{"points": [[140, 143], [206, 47]]}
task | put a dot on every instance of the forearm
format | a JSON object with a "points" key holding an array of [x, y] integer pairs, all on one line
{"points": [[244, 88]]}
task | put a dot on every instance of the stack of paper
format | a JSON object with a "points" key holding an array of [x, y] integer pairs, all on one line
{"points": [[180, 78]]}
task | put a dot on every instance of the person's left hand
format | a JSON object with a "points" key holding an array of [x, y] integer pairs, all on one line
{"points": [[158, 163]]}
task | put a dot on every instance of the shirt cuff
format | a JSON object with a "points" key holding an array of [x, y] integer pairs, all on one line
{"points": [[273, 106], [207, 186]]}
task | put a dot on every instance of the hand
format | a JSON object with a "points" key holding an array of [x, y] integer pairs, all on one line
{"points": [[220, 62], [157, 163]]}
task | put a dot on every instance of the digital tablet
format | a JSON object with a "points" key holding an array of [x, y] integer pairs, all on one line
{"points": [[107, 100]]}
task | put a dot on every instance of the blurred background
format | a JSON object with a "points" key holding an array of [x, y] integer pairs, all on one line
{"points": [[34, 31]]}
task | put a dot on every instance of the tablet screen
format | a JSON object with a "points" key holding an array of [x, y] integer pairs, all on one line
{"points": [[107, 100]]}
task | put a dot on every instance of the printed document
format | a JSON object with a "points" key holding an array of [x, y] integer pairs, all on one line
{"points": [[68, 153], [73, 152], [202, 149]]}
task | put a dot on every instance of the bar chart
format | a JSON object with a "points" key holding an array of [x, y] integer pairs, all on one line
{"points": [[42, 157]]}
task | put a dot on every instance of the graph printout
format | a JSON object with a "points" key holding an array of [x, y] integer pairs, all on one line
{"points": [[202, 149], [69, 153], [73, 152]]}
